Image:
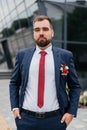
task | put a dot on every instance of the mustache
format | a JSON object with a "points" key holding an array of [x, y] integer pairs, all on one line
{"points": [[41, 36]]}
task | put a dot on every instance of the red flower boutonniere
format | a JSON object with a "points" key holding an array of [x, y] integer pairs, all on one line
{"points": [[64, 69]]}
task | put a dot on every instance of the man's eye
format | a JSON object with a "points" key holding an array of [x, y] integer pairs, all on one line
{"points": [[45, 29], [36, 29]]}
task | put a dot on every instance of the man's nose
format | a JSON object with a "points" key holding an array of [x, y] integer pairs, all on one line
{"points": [[41, 31]]}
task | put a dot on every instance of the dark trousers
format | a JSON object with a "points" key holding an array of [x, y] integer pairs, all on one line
{"points": [[29, 122]]}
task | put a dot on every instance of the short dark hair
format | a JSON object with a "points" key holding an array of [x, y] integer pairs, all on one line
{"points": [[41, 18]]}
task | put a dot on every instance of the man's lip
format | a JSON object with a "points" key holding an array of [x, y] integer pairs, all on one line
{"points": [[41, 38]]}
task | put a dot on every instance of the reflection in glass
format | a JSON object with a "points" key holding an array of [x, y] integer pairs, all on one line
{"points": [[11, 5], [77, 24], [4, 5], [18, 1], [20, 8], [16, 22], [56, 14]]}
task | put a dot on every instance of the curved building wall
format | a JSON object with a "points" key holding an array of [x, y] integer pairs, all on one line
{"points": [[69, 19]]}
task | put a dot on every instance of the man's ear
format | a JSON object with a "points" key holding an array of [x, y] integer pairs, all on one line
{"points": [[52, 33]]}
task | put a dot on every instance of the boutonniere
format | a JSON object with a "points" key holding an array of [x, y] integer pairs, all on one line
{"points": [[64, 69]]}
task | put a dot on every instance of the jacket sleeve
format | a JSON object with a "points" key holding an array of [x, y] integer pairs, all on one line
{"points": [[15, 83], [74, 87]]}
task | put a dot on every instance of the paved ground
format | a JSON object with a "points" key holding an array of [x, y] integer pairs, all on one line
{"points": [[79, 123]]}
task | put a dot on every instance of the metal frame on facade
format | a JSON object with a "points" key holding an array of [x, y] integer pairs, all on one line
{"points": [[23, 36]]}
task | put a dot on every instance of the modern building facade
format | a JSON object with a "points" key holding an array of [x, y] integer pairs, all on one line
{"points": [[69, 18]]}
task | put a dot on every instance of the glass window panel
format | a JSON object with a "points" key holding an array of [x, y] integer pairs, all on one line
{"points": [[23, 15], [62, 1], [32, 9], [20, 8], [0, 32], [56, 14], [9, 24], [77, 2], [57, 0], [29, 2], [77, 24], [12, 4], [18, 1], [8, 19], [1, 14], [13, 14], [4, 7], [77, 35], [4, 24], [71, 0], [1, 26]]}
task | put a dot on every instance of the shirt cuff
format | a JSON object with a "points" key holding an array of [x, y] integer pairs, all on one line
{"points": [[15, 109]]}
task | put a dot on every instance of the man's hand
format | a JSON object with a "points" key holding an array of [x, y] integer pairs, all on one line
{"points": [[67, 118], [16, 113]]}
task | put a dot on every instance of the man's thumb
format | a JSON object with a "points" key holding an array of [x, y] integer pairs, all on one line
{"points": [[19, 116], [63, 119]]}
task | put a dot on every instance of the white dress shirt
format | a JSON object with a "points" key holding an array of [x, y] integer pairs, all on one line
{"points": [[31, 93]]}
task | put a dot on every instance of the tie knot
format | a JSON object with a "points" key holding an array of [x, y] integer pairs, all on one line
{"points": [[43, 53]]}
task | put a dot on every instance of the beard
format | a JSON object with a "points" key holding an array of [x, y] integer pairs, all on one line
{"points": [[42, 42]]}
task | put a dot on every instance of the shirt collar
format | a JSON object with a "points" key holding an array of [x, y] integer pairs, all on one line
{"points": [[48, 50]]}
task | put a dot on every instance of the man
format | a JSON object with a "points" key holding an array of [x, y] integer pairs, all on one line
{"points": [[38, 84]]}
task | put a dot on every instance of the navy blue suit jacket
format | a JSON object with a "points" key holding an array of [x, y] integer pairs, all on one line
{"points": [[68, 103]]}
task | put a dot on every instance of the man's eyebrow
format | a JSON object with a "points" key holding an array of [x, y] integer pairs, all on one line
{"points": [[39, 27], [36, 27]]}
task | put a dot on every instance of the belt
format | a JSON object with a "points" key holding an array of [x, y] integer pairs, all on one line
{"points": [[42, 114]]}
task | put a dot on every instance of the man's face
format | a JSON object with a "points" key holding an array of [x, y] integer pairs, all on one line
{"points": [[43, 33]]}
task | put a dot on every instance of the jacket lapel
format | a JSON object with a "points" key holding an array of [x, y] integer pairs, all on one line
{"points": [[56, 55], [27, 61]]}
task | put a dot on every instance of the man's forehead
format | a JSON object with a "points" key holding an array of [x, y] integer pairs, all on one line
{"points": [[44, 23]]}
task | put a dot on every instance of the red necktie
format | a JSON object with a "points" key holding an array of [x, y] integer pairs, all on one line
{"points": [[41, 79]]}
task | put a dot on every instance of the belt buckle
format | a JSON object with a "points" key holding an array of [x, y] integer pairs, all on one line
{"points": [[40, 115]]}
